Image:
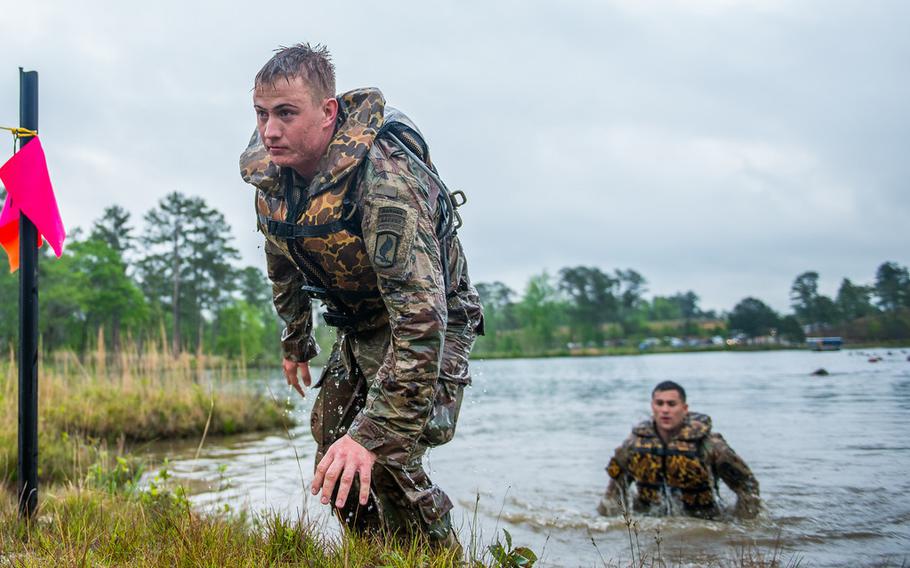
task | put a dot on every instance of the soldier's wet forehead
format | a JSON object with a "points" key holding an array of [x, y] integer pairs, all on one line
{"points": [[294, 88], [666, 396]]}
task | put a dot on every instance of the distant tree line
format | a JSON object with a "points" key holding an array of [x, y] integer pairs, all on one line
{"points": [[586, 306], [583, 306], [859, 312], [175, 281]]}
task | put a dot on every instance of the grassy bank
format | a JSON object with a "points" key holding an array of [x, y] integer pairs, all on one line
{"points": [[107, 405], [87, 526]]}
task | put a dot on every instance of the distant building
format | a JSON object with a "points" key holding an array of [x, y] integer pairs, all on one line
{"points": [[824, 343]]}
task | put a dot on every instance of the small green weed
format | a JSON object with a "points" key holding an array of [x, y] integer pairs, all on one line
{"points": [[508, 557]]}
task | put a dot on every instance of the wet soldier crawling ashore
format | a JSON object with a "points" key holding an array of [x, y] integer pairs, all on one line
{"points": [[675, 461], [354, 215]]}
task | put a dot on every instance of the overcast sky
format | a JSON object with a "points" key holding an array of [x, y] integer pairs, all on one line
{"points": [[722, 146]]}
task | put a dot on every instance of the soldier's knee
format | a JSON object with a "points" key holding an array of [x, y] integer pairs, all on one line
{"points": [[411, 503]]}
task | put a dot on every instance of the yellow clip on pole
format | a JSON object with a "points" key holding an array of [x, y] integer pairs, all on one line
{"points": [[19, 132]]}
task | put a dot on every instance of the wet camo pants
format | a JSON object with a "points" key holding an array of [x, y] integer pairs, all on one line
{"points": [[402, 500]]}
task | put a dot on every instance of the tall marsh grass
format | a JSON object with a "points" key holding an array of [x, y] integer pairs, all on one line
{"points": [[106, 402]]}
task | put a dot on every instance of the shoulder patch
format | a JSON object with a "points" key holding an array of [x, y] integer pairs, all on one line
{"points": [[390, 227], [395, 226]]}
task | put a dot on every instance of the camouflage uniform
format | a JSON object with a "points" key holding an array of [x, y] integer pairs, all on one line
{"points": [[363, 236], [680, 475]]}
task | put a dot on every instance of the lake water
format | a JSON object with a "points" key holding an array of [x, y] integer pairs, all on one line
{"points": [[534, 436]]}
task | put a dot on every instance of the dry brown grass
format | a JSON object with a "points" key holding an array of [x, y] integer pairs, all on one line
{"points": [[118, 400]]}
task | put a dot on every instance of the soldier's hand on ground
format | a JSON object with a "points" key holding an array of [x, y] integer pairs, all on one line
{"points": [[295, 372], [345, 459]]}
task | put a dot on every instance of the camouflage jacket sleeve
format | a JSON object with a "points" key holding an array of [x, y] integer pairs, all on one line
{"points": [[292, 306], [616, 498], [735, 473], [399, 233]]}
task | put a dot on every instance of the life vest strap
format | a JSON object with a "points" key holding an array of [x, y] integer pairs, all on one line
{"points": [[697, 489], [285, 230], [320, 293], [346, 322]]}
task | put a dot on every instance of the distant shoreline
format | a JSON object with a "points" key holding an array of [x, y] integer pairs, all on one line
{"points": [[634, 351], [319, 360]]}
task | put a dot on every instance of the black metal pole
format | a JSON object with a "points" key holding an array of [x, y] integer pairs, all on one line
{"points": [[28, 322]]}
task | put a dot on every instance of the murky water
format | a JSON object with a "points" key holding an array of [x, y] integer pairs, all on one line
{"points": [[831, 454]]}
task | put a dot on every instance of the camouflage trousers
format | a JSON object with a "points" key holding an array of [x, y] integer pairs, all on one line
{"points": [[402, 500]]}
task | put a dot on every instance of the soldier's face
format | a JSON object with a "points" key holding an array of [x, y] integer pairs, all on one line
{"points": [[295, 128], [669, 411]]}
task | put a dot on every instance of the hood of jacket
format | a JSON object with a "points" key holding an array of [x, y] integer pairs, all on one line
{"points": [[360, 115]]}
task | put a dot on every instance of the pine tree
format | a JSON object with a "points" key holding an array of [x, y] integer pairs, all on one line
{"points": [[187, 266], [113, 228]]}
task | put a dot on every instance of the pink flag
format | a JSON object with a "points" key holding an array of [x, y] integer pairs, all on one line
{"points": [[29, 190]]}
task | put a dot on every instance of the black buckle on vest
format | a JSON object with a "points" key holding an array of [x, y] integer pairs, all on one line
{"points": [[316, 292], [337, 319], [282, 230]]}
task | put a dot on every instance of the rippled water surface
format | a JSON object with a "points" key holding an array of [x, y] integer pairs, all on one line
{"points": [[831, 453]]}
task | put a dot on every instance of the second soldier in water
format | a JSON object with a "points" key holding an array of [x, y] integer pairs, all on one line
{"points": [[675, 461]]}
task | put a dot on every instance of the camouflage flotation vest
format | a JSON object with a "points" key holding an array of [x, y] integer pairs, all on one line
{"points": [[318, 226], [676, 469]]}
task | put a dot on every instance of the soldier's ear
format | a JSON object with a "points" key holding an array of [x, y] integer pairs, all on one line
{"points": [[329, 112]]}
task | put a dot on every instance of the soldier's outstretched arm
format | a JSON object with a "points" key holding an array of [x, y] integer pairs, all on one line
{"points": [[736, 474], [616, 497], [295, 309], [400, 238]]}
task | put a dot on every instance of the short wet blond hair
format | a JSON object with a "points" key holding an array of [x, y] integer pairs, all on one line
{"points": [[312, 63]]}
